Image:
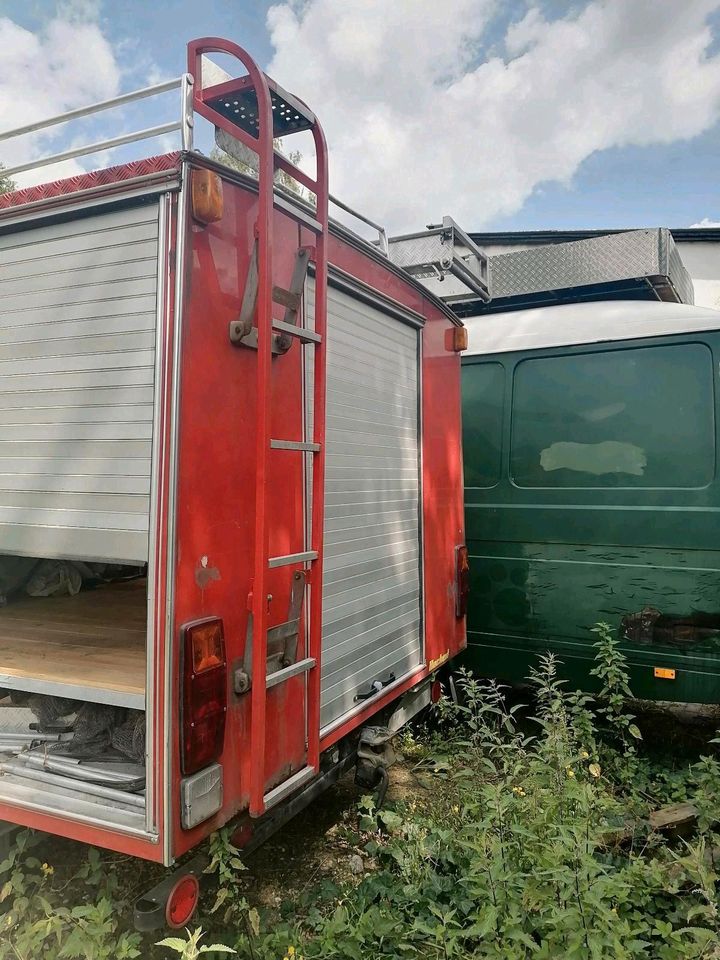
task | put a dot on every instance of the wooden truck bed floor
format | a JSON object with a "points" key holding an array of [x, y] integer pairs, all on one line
{"points": [[88, 647]]}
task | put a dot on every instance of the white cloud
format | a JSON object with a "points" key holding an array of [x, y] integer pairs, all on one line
{"points": [[68, 64], [706, 222], [420, 124]]}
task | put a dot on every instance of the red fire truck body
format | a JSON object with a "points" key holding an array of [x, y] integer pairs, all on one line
{"points": [[254, 693]]}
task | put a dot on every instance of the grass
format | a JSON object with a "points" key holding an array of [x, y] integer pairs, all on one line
{"points": [[522, 832]]}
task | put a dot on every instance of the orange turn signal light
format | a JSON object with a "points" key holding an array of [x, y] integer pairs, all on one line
{"points": [[207, 196], [460, 339]]}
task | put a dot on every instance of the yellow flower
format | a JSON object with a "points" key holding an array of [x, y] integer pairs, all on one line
{"points": [[570, 772], [291, 951], [455, 808], [594, 770], [47, 870], [585, 755]]}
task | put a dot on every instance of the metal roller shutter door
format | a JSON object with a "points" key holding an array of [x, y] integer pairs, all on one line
{"points": [[371, 596], [77, 357]]}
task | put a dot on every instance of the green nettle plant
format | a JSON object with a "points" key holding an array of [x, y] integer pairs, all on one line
{"points": [[527, 853], [38, 923], [191, 948], [611, 669], [533, 842]]}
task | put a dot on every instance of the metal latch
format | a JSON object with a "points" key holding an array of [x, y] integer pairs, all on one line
{"points": [[375, 688]]}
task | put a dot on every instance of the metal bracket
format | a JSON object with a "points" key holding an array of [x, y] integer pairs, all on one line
{"points": [[444, 251], [149, 913], [242, 331], [374, 755], [282, 640]]}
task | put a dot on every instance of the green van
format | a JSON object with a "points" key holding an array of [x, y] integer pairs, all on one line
{"points": [[592, 491]]}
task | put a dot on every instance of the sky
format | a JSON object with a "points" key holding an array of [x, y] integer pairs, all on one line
{"points": [[505, 114]]}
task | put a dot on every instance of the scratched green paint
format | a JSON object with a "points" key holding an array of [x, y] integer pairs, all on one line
{"points": [[553, 550]]}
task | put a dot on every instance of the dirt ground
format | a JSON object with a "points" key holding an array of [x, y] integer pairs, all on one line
{"points": [[319, 842]]}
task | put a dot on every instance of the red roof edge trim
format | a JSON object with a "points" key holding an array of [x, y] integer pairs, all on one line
{"points": [[88, 181]]}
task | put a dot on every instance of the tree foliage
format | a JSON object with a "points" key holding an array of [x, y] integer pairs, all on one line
{"points": [[6, 184], [246, 163]]}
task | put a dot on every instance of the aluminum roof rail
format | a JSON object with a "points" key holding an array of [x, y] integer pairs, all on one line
{"points": [[213, 74], [382, 242], [184, 124], [444, 251]]}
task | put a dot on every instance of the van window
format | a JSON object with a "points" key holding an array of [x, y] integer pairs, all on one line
{"points": [[483, 395], [640, 417]]}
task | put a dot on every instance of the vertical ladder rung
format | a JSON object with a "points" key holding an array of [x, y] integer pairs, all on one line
{"points": [[289, 558], [295, 445]]}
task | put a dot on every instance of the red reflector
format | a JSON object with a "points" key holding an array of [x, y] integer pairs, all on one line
{"points": [[204, 694], [435, 691], [182, 901], [462, 580]]}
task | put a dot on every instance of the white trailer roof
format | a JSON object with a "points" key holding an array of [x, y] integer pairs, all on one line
{"points": [[576, 323]]}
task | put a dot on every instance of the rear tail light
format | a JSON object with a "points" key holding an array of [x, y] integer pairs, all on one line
{"points": [[204, 702], [462, 580]]}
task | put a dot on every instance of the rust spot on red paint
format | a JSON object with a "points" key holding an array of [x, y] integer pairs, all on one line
{"points": [[205, 574]]}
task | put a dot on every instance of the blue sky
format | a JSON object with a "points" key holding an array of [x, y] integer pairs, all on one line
{"points": [[507, 115], [675, 185]]}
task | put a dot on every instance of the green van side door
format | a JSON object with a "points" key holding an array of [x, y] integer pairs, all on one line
{"points": [[591, 494]]}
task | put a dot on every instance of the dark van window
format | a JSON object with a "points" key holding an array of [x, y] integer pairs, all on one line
{"points": [[483, 393], [639, 417]]}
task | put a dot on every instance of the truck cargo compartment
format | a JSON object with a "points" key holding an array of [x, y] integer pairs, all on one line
{"points": [[72, 701], [37, 772], [87, 647]]}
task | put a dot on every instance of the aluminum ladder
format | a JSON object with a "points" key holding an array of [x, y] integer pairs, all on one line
{"points": [[255, 110]]}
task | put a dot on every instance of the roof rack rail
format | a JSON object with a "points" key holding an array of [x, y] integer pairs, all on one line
{"points": [[184, 124], [382, 241], [440, 251]]}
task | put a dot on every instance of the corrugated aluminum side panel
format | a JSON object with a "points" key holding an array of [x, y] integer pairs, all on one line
{"points": [[371, 595], [77, 354]]}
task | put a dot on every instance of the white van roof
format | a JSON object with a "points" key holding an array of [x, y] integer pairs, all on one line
{"points": [[577, 323]]}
